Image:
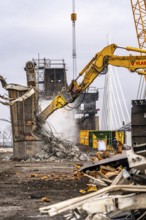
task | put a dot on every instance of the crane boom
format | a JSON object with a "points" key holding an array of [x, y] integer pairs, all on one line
{"points": [[139, 14]]}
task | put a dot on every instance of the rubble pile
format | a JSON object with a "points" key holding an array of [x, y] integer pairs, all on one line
{"points": [[57, 149], [54, 149], [117, 195]]}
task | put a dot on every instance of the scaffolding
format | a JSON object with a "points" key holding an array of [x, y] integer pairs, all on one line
{"points": [[42, 65]]}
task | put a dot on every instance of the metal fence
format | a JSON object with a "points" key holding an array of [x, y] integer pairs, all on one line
{"points": [[6, 138]]}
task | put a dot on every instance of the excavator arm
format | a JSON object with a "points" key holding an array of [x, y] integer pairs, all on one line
{"points": [[97, 66]]}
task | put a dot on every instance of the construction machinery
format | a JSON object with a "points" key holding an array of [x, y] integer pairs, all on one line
{"points": [[25, 134], [139, 15], [97, 66]]}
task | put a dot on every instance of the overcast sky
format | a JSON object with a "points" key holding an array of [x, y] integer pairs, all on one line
{"points": [[29, 27]]}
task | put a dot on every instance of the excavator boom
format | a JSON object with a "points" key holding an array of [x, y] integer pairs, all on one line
{"points": [[98, 65]]}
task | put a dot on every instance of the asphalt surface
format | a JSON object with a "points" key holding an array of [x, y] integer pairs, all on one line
{"points": [[23, 185]]}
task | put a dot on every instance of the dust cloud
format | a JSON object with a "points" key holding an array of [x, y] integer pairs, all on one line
{"points": [[61, 122]]}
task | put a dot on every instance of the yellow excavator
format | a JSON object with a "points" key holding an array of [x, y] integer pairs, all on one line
{"points": [[97, 66]]}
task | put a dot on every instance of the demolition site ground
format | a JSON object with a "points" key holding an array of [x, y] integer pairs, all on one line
{"points": [[27, 186]]}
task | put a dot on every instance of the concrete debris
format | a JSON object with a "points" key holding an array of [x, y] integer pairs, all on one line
{"points": [[118, 196], [29, 91], [58, 152], [7, 158], [57, 149]]}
